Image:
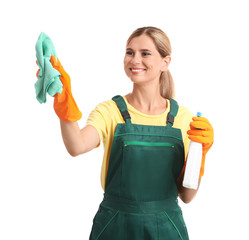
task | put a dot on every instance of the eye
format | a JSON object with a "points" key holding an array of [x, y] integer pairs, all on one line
{"points": [[144, 54], [130, 53]]}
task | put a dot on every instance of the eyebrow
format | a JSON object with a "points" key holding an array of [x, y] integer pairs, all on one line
{"points": [[142, 50]]}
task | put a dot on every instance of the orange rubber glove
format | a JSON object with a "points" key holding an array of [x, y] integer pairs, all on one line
{"points": [[202, 132], [64, 103]]}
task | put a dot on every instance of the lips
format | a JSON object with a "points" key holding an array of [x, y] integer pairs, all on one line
{"points": [[137, 70]]}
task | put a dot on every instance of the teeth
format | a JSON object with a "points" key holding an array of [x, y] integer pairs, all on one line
{"points": [[137, 70]]}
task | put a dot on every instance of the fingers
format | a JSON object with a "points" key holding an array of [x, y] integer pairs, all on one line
{"points": [[200, 119], [201, 131], [200, 123], [197, 132], [53, 60], [55, 63], [37, 73], [38, 69], [200, 136], [198, 139]]}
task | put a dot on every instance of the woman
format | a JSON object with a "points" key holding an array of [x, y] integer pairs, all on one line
{"points": [[146, 144]]}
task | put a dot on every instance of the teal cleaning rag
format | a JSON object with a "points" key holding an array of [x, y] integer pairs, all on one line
{"points": [[48, 77]]}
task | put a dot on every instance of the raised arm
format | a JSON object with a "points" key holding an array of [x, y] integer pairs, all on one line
{"points": [[76, 140], [79, 141]]}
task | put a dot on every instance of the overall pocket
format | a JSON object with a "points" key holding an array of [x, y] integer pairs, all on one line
{"points": [[102, 221], [148, 170], [178, 226]]}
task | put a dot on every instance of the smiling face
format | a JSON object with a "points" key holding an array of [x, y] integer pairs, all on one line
{"points": [[142, 61]]}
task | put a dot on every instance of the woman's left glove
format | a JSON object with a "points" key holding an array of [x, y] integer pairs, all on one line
{"points": [[202, 132], [64, 103]]}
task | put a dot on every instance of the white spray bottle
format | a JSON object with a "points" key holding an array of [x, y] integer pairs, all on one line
{"points": [[193, 165]]}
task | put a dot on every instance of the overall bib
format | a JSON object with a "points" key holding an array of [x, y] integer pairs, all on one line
{"points": [[140, 199]]}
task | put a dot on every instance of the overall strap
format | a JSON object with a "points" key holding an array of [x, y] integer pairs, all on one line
{"points": [[123, 108], [173, 112]]}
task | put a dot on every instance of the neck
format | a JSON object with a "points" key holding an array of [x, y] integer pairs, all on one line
{"points": [[147, 98]]}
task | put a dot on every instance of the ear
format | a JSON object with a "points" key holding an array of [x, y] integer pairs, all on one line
{"points": [[165, 63]]}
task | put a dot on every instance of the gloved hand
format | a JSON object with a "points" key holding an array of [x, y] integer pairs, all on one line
{"points": [[202, 132], [64, 103]]}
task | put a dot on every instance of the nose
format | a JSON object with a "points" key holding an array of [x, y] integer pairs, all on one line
{"points": [[136, 59]]}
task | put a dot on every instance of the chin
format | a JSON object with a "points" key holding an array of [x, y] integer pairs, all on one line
{"points": [[139, 81]]}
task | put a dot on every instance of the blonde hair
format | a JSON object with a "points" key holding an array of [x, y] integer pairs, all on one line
{"points": [[162, 43]]}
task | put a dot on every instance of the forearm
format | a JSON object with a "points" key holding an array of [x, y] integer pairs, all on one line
{"points": [[72, 139], [186, 194]]}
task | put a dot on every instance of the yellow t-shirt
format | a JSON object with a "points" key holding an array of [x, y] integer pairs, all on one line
{"points": [[106, 116]]}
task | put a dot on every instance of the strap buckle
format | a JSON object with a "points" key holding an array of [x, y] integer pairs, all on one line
{"points": [[170, 119], [125, 114]]}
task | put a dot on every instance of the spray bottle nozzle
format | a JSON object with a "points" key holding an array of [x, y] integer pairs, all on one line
{"points": [[198, 114]]}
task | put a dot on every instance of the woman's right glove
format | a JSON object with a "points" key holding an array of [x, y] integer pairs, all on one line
{"points": [[202, 132], [64, 103]]}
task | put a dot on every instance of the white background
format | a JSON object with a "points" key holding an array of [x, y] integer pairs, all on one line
{"points": [[47, 194]]}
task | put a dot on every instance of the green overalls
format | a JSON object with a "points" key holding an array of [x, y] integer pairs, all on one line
{"points": [[140, 199]]}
